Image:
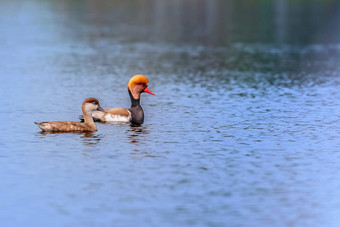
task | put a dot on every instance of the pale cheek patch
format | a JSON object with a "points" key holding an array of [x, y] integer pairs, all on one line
{"points": [[90, 107]]}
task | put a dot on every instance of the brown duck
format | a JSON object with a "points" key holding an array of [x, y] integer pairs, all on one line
{"points": [[89, 105]]}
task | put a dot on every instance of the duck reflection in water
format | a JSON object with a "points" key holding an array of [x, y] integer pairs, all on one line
{"points": [[135, 132], [88, 138]]}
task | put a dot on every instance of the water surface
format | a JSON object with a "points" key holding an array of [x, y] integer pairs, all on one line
{"points": [[243, 129]]}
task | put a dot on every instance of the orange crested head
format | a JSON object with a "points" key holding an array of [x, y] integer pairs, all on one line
{"points": [[139, 84], [138, 79]]}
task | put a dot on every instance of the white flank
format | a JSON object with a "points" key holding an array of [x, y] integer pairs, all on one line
{"points": [[115, 117], [97, 114]]}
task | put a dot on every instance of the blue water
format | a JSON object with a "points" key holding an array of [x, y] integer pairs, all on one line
{"points": [[243, 131]]}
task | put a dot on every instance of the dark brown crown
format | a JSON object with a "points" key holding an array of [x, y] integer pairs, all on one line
{"points": [[91, 100]]}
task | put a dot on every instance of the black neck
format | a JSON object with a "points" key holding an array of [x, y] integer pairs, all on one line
{"points": [[134, 102], [137, 113]]}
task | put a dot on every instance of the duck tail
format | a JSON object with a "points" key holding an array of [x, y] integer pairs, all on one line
{"points": [[41, 125]]}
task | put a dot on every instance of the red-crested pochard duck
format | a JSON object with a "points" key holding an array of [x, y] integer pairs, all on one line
{"points": [[135, 114], [89, 105]]}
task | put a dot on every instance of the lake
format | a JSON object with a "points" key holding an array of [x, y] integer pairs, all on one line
{"points": [[243, 131]]}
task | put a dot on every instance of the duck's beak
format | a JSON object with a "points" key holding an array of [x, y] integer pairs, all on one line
{"points": [[100, 108], [148, 91]]}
